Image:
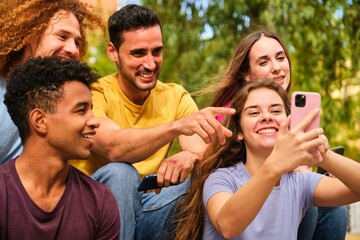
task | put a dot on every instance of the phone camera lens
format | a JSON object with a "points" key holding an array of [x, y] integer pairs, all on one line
{"points": [[300, 100]]}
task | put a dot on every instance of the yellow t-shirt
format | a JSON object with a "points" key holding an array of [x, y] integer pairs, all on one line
{"points": [[167, 102]]}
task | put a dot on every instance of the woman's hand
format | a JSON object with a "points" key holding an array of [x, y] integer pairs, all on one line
{"points": [[295, 147]]}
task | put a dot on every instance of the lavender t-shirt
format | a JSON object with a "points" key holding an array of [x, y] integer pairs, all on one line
{"points": [[281, 214]]}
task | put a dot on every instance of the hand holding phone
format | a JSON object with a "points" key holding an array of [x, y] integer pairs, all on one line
{"points": [[302, 103], [149, 182]]}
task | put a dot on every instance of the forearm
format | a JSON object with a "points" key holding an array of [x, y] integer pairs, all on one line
{"points": [[133, 145], [193, 144], [343, 168], [242, 208]]}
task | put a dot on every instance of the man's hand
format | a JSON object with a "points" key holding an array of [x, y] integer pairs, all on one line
{"points": [[176, 168], [204, 124]]}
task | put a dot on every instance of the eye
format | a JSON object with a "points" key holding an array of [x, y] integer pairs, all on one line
{"points": [[77, 43], [263, 63], [81, 110], [281, 59], [62, 36], [277, 111], [253, 113], [138, 53], [157, 52]]}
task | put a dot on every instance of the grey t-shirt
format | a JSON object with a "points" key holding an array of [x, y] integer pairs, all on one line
{"points": [[10, 143], [281, 214]]}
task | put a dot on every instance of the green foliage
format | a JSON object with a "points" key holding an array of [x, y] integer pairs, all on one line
{"points": [[322, 36], [96, 55]]}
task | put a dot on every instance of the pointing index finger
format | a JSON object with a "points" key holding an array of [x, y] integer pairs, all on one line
{"points": [[221, 111]]}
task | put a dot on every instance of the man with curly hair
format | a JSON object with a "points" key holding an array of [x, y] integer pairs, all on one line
{"points": [[41, 195], [35, 28]]}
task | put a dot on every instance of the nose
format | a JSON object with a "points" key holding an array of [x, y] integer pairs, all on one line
{"points": [[93, 122], [266, 117], [275, 67], [72, 49], [149, 63]]}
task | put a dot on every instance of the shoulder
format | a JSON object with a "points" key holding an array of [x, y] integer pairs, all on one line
{"points": [[2, 84], [174, 93], [99, 201], [104, 82], [7, 167], [229, 174], [93, 192], [89, 185], [228, 179], [169, 87]]}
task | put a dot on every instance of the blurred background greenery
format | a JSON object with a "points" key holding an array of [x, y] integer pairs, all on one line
{"points": [[322, 35]]}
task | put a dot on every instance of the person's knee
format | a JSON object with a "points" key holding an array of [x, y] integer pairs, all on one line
{"points": [[116, 173], [333, 212]]}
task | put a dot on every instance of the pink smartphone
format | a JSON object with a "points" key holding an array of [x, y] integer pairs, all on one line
{"points": [[302, 103]]}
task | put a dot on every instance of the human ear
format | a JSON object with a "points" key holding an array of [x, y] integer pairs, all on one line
{"points": [[31, 46], [37, 121], [112, 52], [240, 137], [247, 77]]}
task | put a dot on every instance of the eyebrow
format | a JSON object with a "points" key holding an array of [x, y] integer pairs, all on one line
{"points": [[82, 104], [138, 50], [256, 106]]}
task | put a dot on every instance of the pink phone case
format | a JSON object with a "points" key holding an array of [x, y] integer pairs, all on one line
{"points": [[302, 103]]}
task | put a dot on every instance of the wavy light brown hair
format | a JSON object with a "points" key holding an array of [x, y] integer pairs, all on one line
{"points": [[23, 19], [233, 78], [190, 214]]}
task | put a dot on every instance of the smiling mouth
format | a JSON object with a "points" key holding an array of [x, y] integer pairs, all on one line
{"points": [[278, 79], [267, 131], [89, 136], [147, 75]]}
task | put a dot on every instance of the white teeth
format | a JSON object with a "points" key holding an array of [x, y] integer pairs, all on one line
{"points": [[88, 136], [267, 131], [147, 75]]}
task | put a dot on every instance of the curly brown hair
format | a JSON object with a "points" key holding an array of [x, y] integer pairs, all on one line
{"points": [[23, 19], [29, 87]]}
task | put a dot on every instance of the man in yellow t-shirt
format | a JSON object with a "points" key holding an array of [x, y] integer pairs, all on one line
{"points": [[165, 103], [139, 118]]}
